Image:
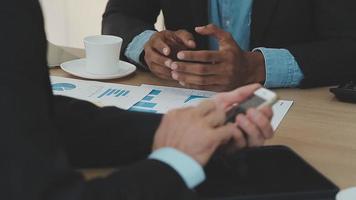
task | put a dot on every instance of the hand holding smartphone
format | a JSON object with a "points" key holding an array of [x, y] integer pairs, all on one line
{"points": [[177, 46], [260, 98]]}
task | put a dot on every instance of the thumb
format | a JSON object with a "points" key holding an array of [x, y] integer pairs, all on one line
{"points": [[186, 37], [238, 95], [222, 36]]}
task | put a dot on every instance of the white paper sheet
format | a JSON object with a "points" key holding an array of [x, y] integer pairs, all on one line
{"points": [[146, 98], [162, 99], [99, 93], [280, 109]]}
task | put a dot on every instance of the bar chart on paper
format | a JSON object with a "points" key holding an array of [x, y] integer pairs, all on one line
{"points": [[148, 103], [162, 99], [146, 98], [101, 94], [111, 92]]}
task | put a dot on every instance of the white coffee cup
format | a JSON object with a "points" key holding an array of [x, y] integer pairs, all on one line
{"points": [[103, 54]]}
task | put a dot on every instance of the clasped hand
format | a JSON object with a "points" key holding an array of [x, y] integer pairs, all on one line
{"points": [[171, 55]]}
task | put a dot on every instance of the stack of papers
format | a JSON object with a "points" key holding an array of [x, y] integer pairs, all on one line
{"points": [[144, 98]]}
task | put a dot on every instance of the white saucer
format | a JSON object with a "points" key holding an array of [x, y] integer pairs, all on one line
{"points": [[348, 194], [77, 68]]}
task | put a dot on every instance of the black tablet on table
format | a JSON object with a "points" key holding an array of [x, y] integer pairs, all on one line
{"points": [[267, 173]]}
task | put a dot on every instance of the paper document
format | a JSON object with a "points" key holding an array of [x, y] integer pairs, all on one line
{"points": [[146, 98], [162, 99], [99, 93], [280, 109]]}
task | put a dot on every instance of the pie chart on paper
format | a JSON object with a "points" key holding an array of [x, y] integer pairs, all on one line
{"points": [[63, 87]]}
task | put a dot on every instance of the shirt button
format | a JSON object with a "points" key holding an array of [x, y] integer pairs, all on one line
{"points": [[228, 22]]}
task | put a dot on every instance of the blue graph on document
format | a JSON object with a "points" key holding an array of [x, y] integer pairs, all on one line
{"points": [[114, 93], [146, 104], [194, 97]]}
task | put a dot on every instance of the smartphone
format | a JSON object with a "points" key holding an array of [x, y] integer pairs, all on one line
{"points": [[176, 47], [260, 98]]}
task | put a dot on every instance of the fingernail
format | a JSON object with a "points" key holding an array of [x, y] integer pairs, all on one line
{"points": [[174, 76], [174, 66], [168, 63], [180, 55], [182, 84], [166, 51]]}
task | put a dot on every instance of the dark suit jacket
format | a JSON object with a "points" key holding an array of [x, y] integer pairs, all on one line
{"points": [[39, 131], [321, 34]]}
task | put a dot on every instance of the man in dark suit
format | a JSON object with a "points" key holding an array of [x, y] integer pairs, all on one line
{"points": [[43, 135], [281, 43]]}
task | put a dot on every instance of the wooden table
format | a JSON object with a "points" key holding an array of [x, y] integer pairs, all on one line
{"points": [[318, 127]]}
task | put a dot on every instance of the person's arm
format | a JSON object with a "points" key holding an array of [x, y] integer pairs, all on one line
{"points": [[103, 137], [149, 179], [281, 68], [134, 50], [330, 58], [324, 61], [34, 160], [129, 18]]}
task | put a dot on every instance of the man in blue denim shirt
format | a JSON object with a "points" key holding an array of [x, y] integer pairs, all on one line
{"points": [[234, 17], [291, 43]]}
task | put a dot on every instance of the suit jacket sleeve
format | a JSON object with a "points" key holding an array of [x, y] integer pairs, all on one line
{"points": [[129, 18], [33, 159], [330, 58], [103, 137]]}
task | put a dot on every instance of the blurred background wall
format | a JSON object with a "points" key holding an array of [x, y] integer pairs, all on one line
{"points": [[69, 21]]}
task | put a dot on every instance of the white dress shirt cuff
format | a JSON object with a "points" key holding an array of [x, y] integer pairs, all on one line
{"points": [[189, 169]]}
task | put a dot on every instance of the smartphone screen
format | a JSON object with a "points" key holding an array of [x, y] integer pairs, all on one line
{"points": [[252, 102]]}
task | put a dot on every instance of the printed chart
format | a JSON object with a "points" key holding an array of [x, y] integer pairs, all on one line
{"points": [[111, 92], [99, 93], [162, 99], [146, 98]]}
